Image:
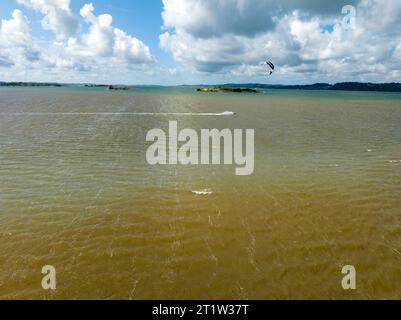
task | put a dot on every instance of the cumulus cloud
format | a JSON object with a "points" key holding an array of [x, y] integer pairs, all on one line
{"points": [[215, 39], [15, 31], [98, 50], [16, 45], [58, 16], [304, 38], [104, 40], [209, 18]]}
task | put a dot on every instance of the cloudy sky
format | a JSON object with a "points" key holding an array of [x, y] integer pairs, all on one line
{"points": [[199, 41]]}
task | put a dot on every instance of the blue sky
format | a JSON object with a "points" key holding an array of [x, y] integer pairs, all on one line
{"points": [[198, 41], [139, 18]]}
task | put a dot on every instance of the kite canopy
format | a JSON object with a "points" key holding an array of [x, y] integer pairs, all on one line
{"points": [[271, 67]]}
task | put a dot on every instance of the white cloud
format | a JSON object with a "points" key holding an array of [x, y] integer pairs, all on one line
{"points": [[104, 40], [16, 45], [103, 48], [58, 16], [104, 45], [210, 18], [15, 30], [100, 39], [223, 40], [236, 36]]}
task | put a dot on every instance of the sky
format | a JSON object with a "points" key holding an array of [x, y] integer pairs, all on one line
{"points": [[173, 42]]}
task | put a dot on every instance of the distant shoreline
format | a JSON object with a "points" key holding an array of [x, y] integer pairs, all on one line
{"points": [[233, 87]]}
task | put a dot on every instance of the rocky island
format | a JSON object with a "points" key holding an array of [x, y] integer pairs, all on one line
{"points": [[226, 89], [120, 88]]}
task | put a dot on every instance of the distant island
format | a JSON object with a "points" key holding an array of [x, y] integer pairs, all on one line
{"points": [[30, 84], [227, 89], [120, 88], [342, 86], [233, 87], [51, 84], [96, 85]]}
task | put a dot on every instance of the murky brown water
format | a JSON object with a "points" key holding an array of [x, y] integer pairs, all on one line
{"points": [[76, 192]]}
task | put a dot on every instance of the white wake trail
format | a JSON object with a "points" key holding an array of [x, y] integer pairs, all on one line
{"points": [[226, 113]]}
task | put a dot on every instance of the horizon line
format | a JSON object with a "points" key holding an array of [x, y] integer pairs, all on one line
{"points": [[196, 84]]}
